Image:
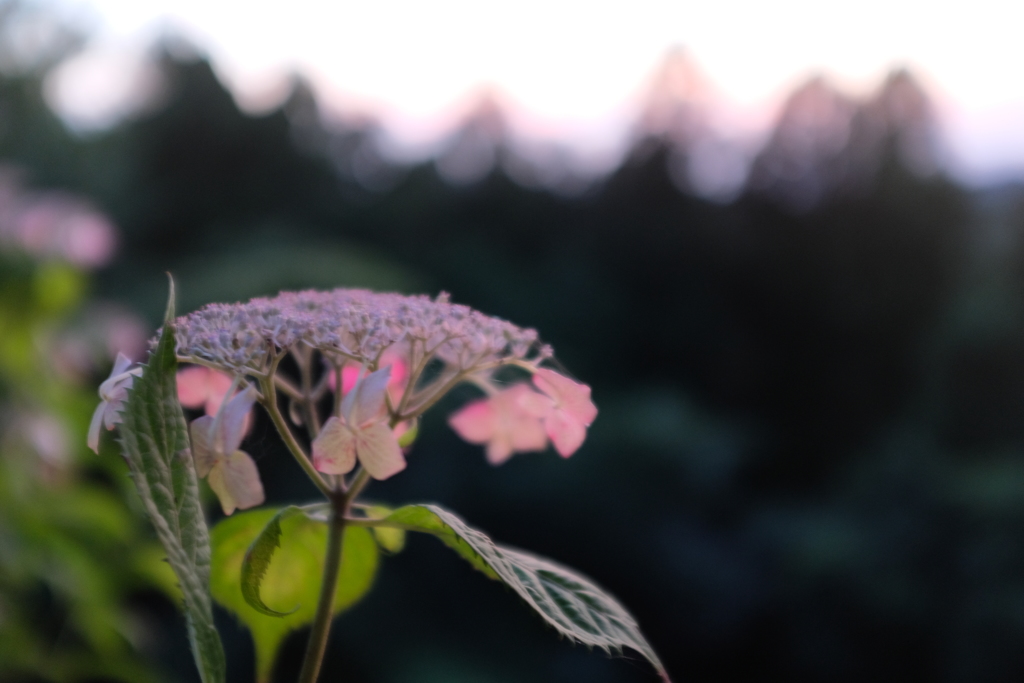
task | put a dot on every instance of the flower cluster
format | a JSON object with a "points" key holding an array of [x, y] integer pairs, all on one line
{"points": [[518, 420], [385, 358]]}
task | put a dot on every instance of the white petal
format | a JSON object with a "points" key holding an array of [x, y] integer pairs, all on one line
{"points": [[202, 445], [378, 451], [334, 450], [365, 403], [121, 364], [232, 419], [113, 405], [93, 439], [236, 481], [120, 377], [218, 384]]}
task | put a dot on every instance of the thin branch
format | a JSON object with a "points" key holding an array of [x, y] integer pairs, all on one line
{"points": [[270, 403]]}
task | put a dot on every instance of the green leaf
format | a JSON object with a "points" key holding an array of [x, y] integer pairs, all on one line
{"points": [[257, 561], [571, 603], [154, 441], [390, 539], [291, 579]]}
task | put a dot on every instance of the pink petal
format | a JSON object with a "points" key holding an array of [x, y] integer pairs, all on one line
{"points": [[349, 377], [474, 422], [520, 410], [530, 402], [399, 372], [192, 386], [570, 396], [378, 451], [499, 450], [334, 450], [566, 433], [202, 445], [218, 384], [528, 434], [236, 481]]}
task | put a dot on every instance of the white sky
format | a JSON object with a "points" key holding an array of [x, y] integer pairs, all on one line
{"points": [[574, 68]]}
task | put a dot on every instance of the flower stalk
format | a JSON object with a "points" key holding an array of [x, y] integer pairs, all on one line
{"points": [[321, 629]]}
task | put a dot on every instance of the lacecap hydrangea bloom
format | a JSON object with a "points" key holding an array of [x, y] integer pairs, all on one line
{"points": [[393, 357], [355, 370]]}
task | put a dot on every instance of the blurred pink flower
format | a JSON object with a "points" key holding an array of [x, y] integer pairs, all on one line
{"points": [[391, 359], [53, 225], [361, 432], [202, 386], [88, 239], [232, 474], [100, 332], [48, 437], [572, 411], [509, 422], [113, 392]]}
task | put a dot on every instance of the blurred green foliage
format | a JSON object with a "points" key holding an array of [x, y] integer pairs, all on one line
{"points": [[72, 549]]}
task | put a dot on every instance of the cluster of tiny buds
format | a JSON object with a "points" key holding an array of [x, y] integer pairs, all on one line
{"points": [[351, 324]]}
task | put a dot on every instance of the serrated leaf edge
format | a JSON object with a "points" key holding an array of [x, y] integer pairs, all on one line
{"points": [[526, 573], [257, 560]]}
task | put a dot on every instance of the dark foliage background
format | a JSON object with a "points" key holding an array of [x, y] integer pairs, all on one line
{"points": [[808, 460]]}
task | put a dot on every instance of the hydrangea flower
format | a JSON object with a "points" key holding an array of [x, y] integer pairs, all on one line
{"points": [[427, 347], [113, 392], [508, 422], [231, 472], [518, 420], [388, 358], [361, 432]]}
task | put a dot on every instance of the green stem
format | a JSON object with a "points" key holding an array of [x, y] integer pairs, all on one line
{"points": [[305, 360], [340, 504], [270, 403], [358, 483], [325, 607]]}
